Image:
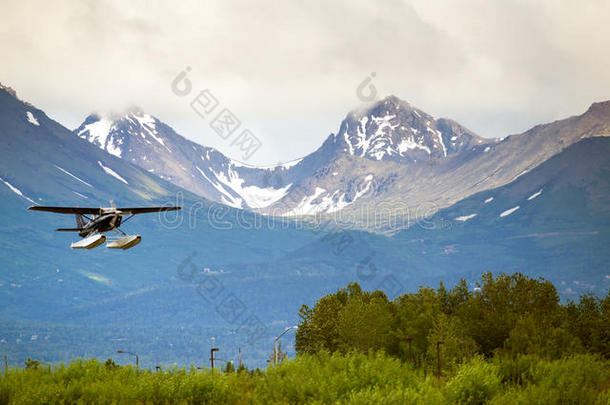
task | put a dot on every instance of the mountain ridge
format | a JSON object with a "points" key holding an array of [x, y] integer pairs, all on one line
{"points": [[390, 140]]}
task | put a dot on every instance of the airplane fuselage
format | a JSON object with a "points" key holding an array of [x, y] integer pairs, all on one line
{"points": [[103, 223]]}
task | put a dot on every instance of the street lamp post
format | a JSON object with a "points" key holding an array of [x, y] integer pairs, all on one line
{"points": [[133, 354], [214, 349], [278, 338]]}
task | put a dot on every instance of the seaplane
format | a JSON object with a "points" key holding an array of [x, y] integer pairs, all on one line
{"points": [[92, 223]]}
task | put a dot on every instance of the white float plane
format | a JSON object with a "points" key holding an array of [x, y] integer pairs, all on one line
{"points": [[93, 222]]}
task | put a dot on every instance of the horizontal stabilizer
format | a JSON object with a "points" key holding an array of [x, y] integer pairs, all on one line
{"points": [[68, 230]]}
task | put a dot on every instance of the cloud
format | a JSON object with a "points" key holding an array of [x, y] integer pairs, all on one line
{"points": [[290, 69]]}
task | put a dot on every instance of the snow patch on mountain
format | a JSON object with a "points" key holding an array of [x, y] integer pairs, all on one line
{"points": [[31, 119], [369, 180], [440, 140], [111, 172], [410, 144], [337, 205], [323, 201], [149, 124], [80, 195], [254, 197], [490, 199], [465, 217], [509, 211], [379, 143], [520, 174], [231, 201], [16, 190], [307, 206], [97, 133], [73, 176], [226, 197], [257, 197], [203, 174], [536, 194]]}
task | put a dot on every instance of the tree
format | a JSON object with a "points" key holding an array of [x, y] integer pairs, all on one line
{"points": [[364, 323], [305, 339], [415, 316], [110, 365], [318, 327], [458, 347], [493, 311], [31, 364], [540, 337], [589, 320], [229, 368]]}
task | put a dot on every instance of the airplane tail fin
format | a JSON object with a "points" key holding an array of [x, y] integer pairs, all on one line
{"points": [[80, 222]]}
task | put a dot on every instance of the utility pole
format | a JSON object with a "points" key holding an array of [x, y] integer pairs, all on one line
{"points": [[214, 349], [5, 366], [239, 358], [438, 357], [410, 340]]}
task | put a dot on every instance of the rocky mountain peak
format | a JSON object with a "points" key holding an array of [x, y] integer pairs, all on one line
{"points": [[601, 108], [116, 131], [9, 90], [394, 130]]}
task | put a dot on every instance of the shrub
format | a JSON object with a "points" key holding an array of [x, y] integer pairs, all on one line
{"points": [[474, 383]]}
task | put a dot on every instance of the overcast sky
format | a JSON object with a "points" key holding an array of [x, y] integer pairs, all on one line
{"points": [[289, 70]]}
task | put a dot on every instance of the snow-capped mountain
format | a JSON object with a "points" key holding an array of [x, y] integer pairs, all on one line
{"points": [[390, 154], [393, 130], [390, 131], [391, 164], [363, 164], [147, 142], [44, 163]]}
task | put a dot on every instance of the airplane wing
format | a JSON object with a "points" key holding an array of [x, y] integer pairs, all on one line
{"points": [[146, 210], [100, 211], [67, 210]]}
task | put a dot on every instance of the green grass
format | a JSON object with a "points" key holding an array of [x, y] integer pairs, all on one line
{"points": [[319, 379]]}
